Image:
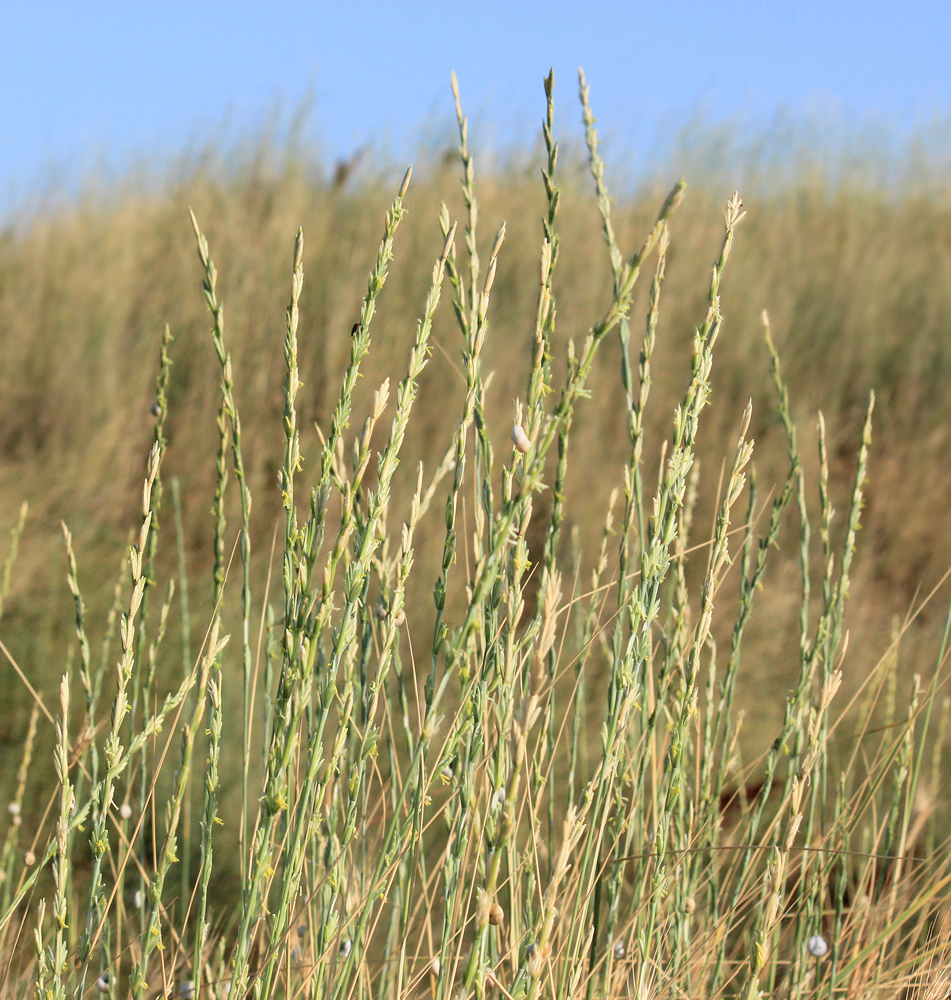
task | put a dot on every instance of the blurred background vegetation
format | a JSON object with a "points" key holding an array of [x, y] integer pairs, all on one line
{"points": [[851, 256]]}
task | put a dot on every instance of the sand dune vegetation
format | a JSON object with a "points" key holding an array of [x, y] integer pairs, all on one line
{"points": [[471, 582]]}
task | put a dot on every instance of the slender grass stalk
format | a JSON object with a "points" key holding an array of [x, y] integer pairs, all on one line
{"points": [[99, 838], [182, 575], [300, 655], [209, 820], [168, 855], [16, 534], [53, 959], [230, 410]]}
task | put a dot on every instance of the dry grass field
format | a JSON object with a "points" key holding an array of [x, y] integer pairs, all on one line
{"points": [[632, 749]]}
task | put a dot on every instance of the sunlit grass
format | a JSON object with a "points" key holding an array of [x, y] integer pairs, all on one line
{"points": [[456, 705]]}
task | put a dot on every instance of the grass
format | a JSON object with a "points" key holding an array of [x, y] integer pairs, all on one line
{"points": [[447, 695]]}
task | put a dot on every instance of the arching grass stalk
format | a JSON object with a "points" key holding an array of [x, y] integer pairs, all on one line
{"points": [[474, 324], [794, 482], [90, 687], [409, 872], [539, 384], [312, 613], [366, 542], [16, 534], [627, 681], [465, 305], [539, 954], [470, 310], [720, 729], [539, 387], [770, 912], [114, 757], [510, 756], [827, 647], [365, 547], [750, 581], [633, 521], [587, 625], [152, 938], [209, 820], [141, 686], [596, 166], [8, 854], [118, 760], [184, 605], [53, 959], [230, 410], [672, 837], [474, 333], [221, 486], [579, 367]]}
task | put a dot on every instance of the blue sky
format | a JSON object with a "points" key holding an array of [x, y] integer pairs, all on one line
{"points": [[87, 83]]}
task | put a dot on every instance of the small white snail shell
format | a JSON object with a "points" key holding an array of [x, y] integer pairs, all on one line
{"points": [[520, 439], [817, 946]]}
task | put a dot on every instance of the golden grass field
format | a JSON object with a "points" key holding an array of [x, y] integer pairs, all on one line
{"points": [[855, 275], [857, 284]]}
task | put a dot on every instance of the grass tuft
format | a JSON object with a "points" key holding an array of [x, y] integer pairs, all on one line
{"points": [[538, 784]]}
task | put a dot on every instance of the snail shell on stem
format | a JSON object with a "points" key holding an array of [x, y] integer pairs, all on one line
{"points": [[520, 439]]}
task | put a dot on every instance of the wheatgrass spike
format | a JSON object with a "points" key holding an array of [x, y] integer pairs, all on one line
{"points": [[229, 411], [16, 534]]}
